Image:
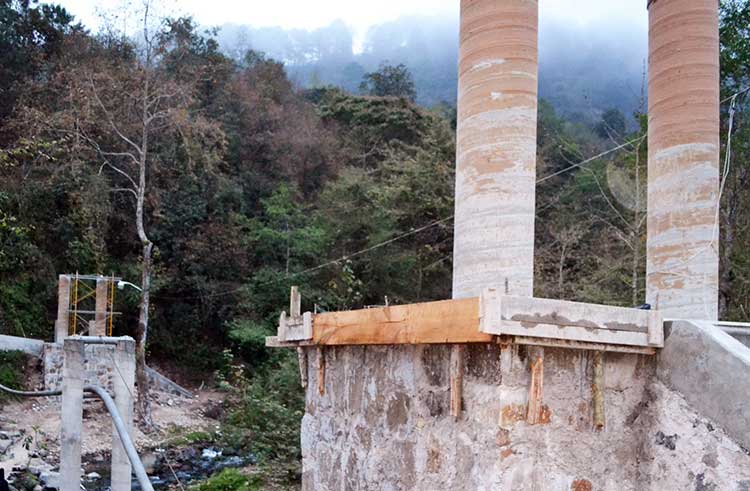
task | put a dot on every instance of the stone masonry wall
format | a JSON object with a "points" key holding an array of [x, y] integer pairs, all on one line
{"points": [[384, 424], [99, 365]]}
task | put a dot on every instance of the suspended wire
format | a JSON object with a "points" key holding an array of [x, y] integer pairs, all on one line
{"points": [[393, 239], [397, 238]]}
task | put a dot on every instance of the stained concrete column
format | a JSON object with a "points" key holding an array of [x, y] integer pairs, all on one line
{"points": [[100, 317], [72, 414], [123, 381], [62, 322], [683, 159], [496, 147]]}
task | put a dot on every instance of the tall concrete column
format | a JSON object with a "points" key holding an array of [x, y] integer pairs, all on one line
{"points": [[100, 317], [496, 147], [123, 381], [683, 160], [62, 322], [71, 414]]}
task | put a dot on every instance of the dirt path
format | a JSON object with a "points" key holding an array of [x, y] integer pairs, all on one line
{"points": [[40, 420]]}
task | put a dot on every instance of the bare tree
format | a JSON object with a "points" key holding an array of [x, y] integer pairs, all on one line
{"points": [[138, 105]]}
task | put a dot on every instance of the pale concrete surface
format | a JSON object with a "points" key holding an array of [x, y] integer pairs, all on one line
{"points": [[496, 147], [26, 345], [62, 323], [683, 158], [71, 415], [124, 390], [712, 370]]}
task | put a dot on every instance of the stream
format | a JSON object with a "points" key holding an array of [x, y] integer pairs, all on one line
{"points": [[166, 467]]}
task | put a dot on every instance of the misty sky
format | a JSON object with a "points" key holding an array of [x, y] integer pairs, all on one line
{"points": [[359, 15]]}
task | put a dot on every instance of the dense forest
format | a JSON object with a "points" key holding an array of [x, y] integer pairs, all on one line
{"points": [[251, 184]]}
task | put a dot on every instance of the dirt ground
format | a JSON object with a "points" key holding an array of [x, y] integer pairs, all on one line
{"points": [[40, 420]]}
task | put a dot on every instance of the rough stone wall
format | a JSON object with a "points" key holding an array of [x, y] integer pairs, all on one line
{"points": [[384, 424], [99, 365]]}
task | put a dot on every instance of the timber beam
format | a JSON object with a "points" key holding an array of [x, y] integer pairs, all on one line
{"points": [[521, 320]]}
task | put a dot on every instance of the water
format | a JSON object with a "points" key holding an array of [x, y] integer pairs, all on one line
{"points": [[166, 467]]}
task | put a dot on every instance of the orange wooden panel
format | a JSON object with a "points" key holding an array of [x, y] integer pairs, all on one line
{"points": [[447, 321]]}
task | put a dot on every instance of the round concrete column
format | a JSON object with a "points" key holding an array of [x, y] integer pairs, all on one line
{"points": [[683, 159], [496, 147]]}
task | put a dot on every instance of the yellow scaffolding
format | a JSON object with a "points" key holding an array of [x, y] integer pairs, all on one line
{"points": [[81, 292]]}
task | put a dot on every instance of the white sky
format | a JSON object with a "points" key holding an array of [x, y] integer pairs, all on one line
{"points": [[359, 14]]}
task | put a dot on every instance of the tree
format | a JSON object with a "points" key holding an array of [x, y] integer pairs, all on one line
{"points": [[389, 80]]}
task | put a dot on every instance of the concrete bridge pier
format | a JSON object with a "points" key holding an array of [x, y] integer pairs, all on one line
{"points": [[123, 381]]}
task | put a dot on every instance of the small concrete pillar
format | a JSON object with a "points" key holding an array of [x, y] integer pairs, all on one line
{"points": [[100, 317], [123, 381], [72, 414], [62, 323]]}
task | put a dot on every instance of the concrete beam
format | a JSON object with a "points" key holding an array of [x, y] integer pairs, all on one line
{"points": [[496, 147], [712, 371], [683, 158], [26, 345]]}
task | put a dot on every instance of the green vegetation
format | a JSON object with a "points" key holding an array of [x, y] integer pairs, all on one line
{"points": [[12, 364], [255, 186], [229, 480]]}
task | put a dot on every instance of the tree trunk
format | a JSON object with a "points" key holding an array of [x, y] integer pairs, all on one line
{"points": [[144, 405]]}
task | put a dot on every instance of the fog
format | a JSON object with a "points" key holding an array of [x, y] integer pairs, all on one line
{"points": [[584, 67]]}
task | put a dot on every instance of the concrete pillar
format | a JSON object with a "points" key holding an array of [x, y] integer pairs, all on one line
{"points": [[71, 414], [683, 158], [62, 323], [123, 381], [100, 317], [496, 147]]}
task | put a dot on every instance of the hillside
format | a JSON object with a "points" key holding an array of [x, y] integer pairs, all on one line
{"points": [[583, 71]]}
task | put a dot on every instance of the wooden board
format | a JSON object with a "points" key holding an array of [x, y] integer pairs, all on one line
{"points": [[573, 321], [580, 345], [448, 321]]}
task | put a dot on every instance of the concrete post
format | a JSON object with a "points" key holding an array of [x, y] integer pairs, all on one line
{"points": [[62, 323], [123, 381], [72, 414], [683, 160], [100, 317], [496, 147]]}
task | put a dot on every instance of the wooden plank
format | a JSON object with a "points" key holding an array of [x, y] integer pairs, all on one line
{"points": [[457, 379], [447, 321], [579, 345], [597, 391], [536, 387], [532, 311], [573, 333], [575, 321], [276, 342], [302, 360], [321, 370]]}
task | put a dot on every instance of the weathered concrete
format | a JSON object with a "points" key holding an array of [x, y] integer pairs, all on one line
{"points": [[100, 318], [384, 424], [62, 323], [683, 160], [26, 345], [496, 147], [712, 370], [98, 367], [71, 415], [124, 389]]}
